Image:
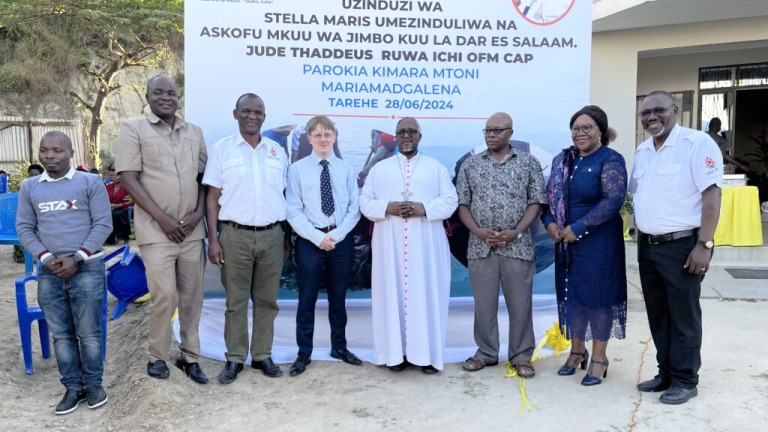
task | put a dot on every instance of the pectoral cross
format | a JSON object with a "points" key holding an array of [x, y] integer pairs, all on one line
{"points": [[406, 195]]}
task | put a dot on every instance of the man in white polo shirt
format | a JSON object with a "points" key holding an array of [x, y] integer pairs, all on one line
{"points": [[245, 208], [676, 183]]}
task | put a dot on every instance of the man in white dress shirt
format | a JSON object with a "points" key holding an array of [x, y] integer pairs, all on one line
{"points": [[408, 197], [246, 211], [676, 184]]}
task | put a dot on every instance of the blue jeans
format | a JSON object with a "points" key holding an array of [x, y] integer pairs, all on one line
{"points": [[72, 308]]}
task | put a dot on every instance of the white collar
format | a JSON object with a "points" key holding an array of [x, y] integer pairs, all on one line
{"points": [[671, 140], [45, 177]]}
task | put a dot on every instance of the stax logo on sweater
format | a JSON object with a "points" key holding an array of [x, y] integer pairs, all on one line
{"points": [[46, 207]]}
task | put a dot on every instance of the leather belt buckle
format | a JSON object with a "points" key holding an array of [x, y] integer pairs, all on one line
{"points": [[668, 237]]}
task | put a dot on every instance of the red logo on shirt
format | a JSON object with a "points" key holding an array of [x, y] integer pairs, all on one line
{"points": [[272, 151], [709, 162]]}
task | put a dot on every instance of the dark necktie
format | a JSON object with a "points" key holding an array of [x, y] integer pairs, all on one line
{"points": [[326, 194]]}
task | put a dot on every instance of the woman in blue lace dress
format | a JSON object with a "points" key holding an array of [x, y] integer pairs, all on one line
{"points": [[586, 189]]}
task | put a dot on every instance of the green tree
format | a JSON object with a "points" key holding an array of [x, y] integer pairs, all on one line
{"points": [[58, 56]]}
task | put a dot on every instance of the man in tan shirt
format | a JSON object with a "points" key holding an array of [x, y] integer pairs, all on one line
{"points": [[161, 158]]}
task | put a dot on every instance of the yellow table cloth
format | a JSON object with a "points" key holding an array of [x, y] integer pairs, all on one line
{"points": [[739, 223]]}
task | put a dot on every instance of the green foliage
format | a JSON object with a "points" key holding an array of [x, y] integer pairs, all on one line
{"points": [[50, 45], [18, 175], [628, 206], [60, 57]]}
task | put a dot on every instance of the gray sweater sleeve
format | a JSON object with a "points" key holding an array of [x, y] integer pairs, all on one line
{"points": [[26, 222], [101, 215]]}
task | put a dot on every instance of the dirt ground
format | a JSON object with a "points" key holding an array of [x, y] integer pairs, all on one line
{"points": [[336, 396]]}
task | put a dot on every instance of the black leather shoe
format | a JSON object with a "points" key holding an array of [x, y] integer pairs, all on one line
{"points": [[678, 395], [158, 369], [300, 365], [268, 367], [193, 370], [429, 370], [346, 356], [399, 367], [230, 371], [656, 384]]}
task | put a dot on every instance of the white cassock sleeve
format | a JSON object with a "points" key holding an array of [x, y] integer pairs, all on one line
{"points": [[371, 206], [443, 206]]}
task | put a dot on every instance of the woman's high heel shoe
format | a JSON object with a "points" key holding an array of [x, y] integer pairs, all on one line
{"points": [[590, 380], [567, 369]]}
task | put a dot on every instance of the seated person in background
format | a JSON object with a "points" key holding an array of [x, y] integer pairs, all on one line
{"points": [[4, 176], [18, 250], [119, 202], [35, 170]]}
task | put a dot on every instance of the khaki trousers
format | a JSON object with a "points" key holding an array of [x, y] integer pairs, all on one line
{"points": [[253, 262], [516, 279], [175, 278]]}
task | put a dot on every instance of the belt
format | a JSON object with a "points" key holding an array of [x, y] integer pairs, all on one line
{"points": [[236, 225], [664, 238], [328, 228]]}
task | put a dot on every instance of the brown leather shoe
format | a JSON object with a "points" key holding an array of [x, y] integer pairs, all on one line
{"points": [[475, 363]]}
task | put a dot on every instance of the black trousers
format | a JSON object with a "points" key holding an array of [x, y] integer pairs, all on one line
{"points": [[121, 226], [674, 313], [315, 266]]}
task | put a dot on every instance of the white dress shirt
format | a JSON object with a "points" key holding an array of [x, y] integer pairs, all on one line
{"points": [[667, 183], [252, 180], [305, 213]]}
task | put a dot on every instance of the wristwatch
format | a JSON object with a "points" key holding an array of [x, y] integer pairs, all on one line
{"points": [[79, 260], [709, 244]]}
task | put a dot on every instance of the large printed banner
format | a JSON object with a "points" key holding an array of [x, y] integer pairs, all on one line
{"points": [[368, 63]]}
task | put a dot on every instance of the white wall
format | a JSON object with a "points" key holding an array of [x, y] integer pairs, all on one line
{"points": [[618, 77], [681, 72]]}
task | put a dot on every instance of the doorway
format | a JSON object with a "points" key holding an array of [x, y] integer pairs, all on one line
{"points": [[750, 135]]}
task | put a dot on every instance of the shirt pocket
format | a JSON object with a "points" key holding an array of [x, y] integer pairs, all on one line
{"points": [[273, 172], [509, 184], [233, 171], [190, 152], [638, 176], [155, 153], [669, 169]]}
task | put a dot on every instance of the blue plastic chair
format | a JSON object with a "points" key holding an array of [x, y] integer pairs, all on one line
{"points": [[9, 202], [28, 314], [126, 279]]}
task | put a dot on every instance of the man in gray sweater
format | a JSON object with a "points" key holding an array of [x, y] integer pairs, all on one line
{"points": [[63, 218]]}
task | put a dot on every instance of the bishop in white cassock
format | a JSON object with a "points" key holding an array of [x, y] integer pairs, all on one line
{"points": [[408, 197]]}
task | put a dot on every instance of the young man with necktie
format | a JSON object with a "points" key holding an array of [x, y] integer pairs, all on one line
{"points": [[322, 208]]}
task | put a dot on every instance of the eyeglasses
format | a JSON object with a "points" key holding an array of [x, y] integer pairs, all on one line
{"points": [[587, 128], [656, 111], [404, 132], [496, 131], [327, 135]]}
